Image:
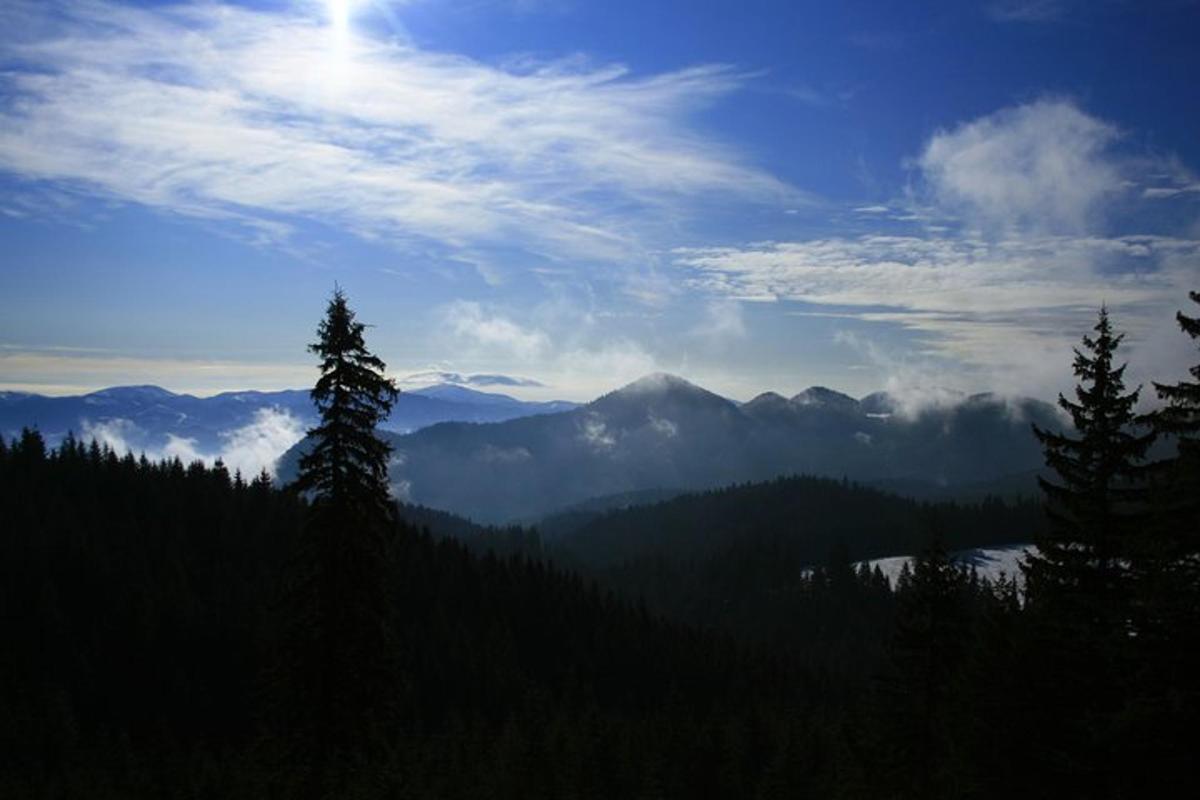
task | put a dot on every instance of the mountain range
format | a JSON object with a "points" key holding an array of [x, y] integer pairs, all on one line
{"points": [[147, 417], [662, 432]]}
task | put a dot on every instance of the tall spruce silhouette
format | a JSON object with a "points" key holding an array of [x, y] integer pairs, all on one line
{"points": [[341, 642], [1180, 418], [1169, 568], [347, 466], [1096, 508]]}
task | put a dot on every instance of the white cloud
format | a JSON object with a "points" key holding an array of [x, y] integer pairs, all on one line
{"points": [[114, 433], [594, 432], [1009, 310], [435, 375], [219, 111], [180, 447], [1160, 192], [1002, 269], [402, 490], [722, 322], [915, 382], [946, 274], [561, 342], [469, 321], [1046, 166], [251, 448], [664, 427], [259, 445]]}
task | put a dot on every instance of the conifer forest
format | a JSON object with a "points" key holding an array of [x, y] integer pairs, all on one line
{"points": [[174, 630]]}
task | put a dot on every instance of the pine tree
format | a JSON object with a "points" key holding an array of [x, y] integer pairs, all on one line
{"points": [[1096, 508], [347, 466], [340, 688], [1080, 584], [924, 659], [1180, 419], [1165, 703]]}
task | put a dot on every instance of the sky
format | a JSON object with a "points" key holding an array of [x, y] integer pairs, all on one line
{"points": [[919, 197]]}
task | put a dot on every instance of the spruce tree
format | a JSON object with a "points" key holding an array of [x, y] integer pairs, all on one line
{"points": [[347, 465], [1096, 508], [924, 659], [1162, 710], [1179, 419], [340, 688]]}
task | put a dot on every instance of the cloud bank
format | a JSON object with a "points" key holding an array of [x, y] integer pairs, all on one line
{"points": [[251, 448], [1005, 257]]}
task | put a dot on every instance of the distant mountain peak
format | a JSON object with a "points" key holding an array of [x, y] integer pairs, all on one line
{"points": [[878, 403], [769, 405], [658, 392], [767, 398], [659, 382], [457, 393], [141, 392], [825, 397]]}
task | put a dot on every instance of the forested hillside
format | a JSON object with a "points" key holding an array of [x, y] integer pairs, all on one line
{"points": [[737, 558], [143, 618], [175, 631], [664, 433]]}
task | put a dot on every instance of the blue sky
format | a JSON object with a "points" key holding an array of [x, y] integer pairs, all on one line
{"points": [[756, 195]]}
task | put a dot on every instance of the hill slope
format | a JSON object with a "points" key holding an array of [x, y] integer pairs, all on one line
{"points": [[662, 432]]}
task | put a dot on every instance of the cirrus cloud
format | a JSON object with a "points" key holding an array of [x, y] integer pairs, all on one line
{"points": [[214, 110]]}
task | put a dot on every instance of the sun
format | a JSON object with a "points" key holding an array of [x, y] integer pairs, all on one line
{"points": [[339, 16]]}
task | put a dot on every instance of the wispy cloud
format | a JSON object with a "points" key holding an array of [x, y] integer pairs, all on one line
{"points": [[1029, 11], [1016, 265], [945, 274], [470, 322], [1010, 309], [218, 111], [563, 344], [433, 376]]}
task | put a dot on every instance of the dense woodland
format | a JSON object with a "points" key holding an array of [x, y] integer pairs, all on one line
{"points": [[172, 630]]}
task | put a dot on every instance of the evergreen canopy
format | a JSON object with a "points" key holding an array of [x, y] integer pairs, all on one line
{"points": [[1096, 507], [348, 462], [1180, 417]]}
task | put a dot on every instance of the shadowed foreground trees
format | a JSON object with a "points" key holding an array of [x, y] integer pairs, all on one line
{"points": [[338, 671], [1108, 590], [147, 654], [1097, 507]]}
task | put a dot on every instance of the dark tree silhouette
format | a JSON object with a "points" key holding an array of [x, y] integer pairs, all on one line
{"points": [[1097, 507], [347, 465], [1165, 701], [1180, 418], [341, 685], [1080, 584], [929, 638]]}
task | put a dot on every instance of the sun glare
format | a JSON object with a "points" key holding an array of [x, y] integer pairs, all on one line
{"points": [[339, 16]]}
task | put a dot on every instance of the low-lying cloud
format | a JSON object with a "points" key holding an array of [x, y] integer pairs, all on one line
{"points": [[249, 449]]}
